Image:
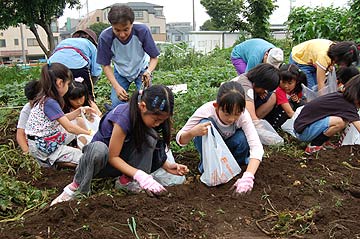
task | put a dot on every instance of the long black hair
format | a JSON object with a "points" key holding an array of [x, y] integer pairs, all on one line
{"points": [[49, 74], [159, 99]]}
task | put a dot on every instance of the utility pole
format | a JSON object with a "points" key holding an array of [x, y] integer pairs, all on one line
{"points": [[193, 5], [22, 44]]}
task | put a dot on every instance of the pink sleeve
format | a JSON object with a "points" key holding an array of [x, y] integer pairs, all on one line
{"points": [[256, 148], [205, 111]]}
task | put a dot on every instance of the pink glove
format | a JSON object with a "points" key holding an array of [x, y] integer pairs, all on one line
{"points": [[244, 184], [147, 182]]}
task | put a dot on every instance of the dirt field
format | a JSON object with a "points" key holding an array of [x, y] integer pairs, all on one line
{"points": [[316, 197]]}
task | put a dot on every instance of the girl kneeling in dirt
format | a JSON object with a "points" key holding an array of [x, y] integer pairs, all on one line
{"points": [[49, 129], [327, 115], [130, 143], [234, 123]]}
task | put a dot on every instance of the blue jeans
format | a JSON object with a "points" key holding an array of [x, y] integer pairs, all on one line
{"points": [[124, 83], [314, 130], [309, 71], [237, 145]]}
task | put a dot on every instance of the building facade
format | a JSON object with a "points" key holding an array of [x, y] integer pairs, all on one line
{"points": [[149, 14], [19, 45]]}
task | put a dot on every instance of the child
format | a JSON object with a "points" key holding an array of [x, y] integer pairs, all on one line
{"points": [[130, 143], [259, 84], [288, 95], [129, 45], [344, 74], [233, 121], [246, 55], [32, 88], [78, 96], [316, 57], [48, 127], [327, 115]]}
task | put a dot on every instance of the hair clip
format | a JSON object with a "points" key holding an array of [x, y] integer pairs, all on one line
{"points": [[49, 63], [153, 104], [79, 79], [162, 105]]}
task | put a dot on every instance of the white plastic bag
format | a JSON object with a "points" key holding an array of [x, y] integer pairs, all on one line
{"points": [[329, 87], [352, 135], [267, 134], [219, 164], [165, 178], [93, 125], [288, 126]]}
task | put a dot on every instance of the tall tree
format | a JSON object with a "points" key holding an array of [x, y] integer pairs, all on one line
{"points": [[34, 13], [245, 15], [99, 27], [258, 15], [223, 12]]}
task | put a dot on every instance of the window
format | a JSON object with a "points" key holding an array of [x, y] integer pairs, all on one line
{"points": [[178, 38], [155, 30], [139, 15], [16, 42], [158, 13], [2, 43], [98, 19], [32, 42]]}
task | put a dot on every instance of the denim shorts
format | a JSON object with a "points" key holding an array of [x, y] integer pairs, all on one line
{"points": [[314, 130]]}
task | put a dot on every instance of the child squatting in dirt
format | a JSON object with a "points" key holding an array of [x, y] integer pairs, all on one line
{"points": [[130, 143], [231, 119]]}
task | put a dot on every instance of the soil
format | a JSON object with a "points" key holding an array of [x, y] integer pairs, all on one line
{"points": [[311, 197]]}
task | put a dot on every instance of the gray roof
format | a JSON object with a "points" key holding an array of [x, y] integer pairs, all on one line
{"points": [[141, 6]]}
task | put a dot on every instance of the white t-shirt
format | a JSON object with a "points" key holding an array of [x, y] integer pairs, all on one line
{"points": [[24, 116]]}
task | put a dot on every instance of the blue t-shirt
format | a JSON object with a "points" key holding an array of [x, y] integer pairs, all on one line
{"points": [[251, 51], [129, 57], [72, 59], [120, 115], [52, 109]]}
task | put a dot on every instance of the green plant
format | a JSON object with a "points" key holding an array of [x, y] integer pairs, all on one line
{"points": [[306, 23]]}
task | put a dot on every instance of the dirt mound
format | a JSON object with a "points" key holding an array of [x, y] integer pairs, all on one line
{"points": [[317, 197]]}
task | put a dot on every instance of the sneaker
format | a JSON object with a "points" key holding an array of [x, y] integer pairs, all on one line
{"points": [[313, 149], [329, 145], [65, 196], [127, 184]]}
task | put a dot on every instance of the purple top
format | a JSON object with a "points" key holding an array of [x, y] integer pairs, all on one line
{"points": [[120, 115]]}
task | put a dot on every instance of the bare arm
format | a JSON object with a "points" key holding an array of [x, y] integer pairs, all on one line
{"points": [[320, 77], [120, 92], [253, 166], [357, 125], [264, 109], [21, 139], [115, 146], [288, 110], [72, 128]]}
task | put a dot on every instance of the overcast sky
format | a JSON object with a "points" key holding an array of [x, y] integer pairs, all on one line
{"points": [[181, 10]]}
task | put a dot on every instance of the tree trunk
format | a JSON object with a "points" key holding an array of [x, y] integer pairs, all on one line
{"points": [[50, 38]]}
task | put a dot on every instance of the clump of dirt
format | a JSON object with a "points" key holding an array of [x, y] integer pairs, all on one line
{"points": [[313, 197]]}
